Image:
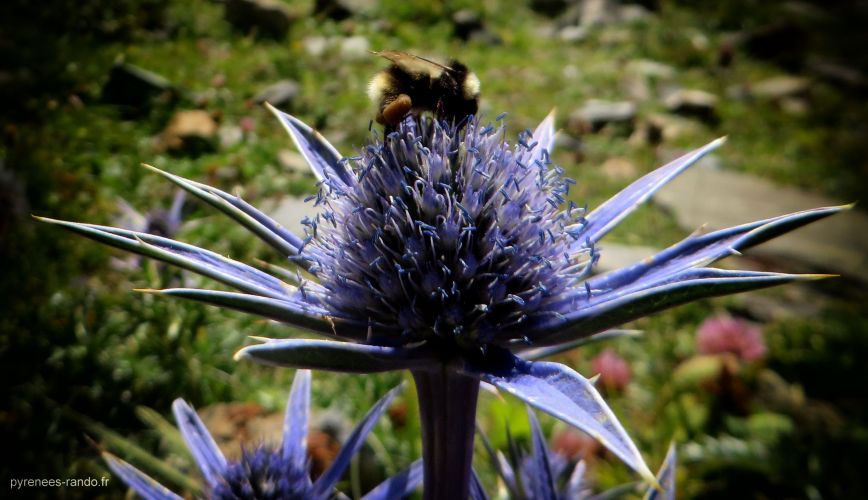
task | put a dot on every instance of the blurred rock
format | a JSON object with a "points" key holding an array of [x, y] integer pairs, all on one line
{"points": [[720, 199], [238, 425], [616, 256], [230, 136], [315, 46], [571, 34], [135, 87], [784, 43], [267, 18], [641, 77], [279, 94], [619, 169], [594, 12], [355, 48], [340, 10], [839, 74], [293, 163], [651, 69], [570, 144], [795, 106], [322, 448], [467, 24], [780, 87], [662, 128], [289, 211], [693, 103], [596, 114], [633, 13], [190, 132], [550, 8]]}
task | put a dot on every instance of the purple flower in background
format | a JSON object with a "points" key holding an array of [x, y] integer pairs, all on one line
{"points": [[544, 475], [447, 251], [725, 334], [613, 369], [264, 473]]}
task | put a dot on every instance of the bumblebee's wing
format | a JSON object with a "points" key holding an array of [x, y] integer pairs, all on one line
{"points": [[413, 64]]}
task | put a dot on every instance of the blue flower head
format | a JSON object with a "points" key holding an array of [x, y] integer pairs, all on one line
{"points": [[453, 253], [264, 473], [447, 235]]}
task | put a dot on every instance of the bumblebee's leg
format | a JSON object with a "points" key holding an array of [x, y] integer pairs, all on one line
{"points": [[395, 111]]}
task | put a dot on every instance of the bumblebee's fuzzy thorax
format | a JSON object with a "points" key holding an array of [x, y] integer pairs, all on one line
{"points": [[416, 85]]}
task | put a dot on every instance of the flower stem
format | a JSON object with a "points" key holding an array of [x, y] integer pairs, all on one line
{"points": [[447, 407]]}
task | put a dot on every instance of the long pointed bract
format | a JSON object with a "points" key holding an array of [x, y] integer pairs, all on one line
{"points": [[251, 218], [541, 481], [617, 208], [295, 424], [208, 456], [566, 395], [323, 158], [291, 313], [704, 249], [605, 311], [140, 482], [400, 485], [344, 357], [325, 483]]}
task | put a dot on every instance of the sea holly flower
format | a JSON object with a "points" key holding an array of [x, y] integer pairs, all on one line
{"points": [[543, 474], [445, 250], [264, 473]]}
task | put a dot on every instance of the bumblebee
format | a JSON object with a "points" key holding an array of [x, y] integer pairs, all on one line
{"points": [[413, 84]]}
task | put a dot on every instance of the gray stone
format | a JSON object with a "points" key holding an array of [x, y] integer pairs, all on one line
{"points": [[651, 69], [316, 46], [355, 48], [839, 74], [280, 94], [780, 87], [337, 10], [230, 135], [573, 33], [693, 103], [619, 169], [596, 114], [641, 77], [633, 13], [293, 163], [596, 12], [288, 211], [465, 22], [616, 255], [721, 198], [267, 18], [659, 128], [135, 87]]}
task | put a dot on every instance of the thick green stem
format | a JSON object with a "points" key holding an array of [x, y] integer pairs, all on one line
{"points": [[447, 407]]}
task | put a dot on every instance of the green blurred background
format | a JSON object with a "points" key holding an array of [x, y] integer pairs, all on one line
{"points": [[91, 89]]}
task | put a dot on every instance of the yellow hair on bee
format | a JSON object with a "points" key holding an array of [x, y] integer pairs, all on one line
{"points": [[471, 86], [381, 82]]}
